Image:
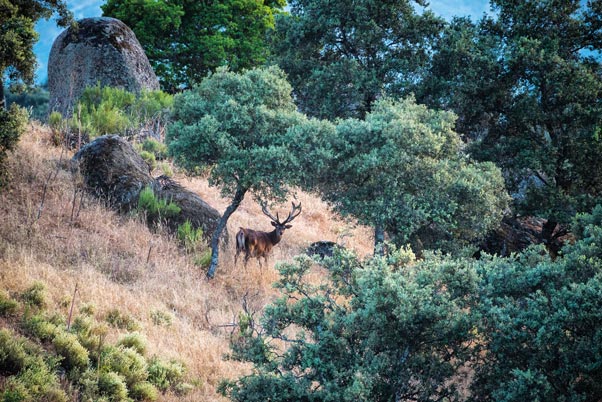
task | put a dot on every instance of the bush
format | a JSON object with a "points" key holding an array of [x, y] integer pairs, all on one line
{"points": [[135, 341], [155, 147], [12, 125], [203, 260], [126, 362], [165, 375], [35, 296], [107, 110], [74, 354], [8, 306], [34, 100], [112, 386], [189, 236], [28, 376], [155, 209], [12, 353], [40, 327], [123, 321], [161, 318], [144, 391], [149, 158]]}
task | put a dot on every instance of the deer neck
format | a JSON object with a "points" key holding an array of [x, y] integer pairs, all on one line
{"points": [[274, 236]]}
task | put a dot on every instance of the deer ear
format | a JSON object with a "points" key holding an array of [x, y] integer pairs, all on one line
{"points": [[273, 223], [288, 226]]}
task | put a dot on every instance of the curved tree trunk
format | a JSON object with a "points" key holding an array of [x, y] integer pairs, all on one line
{"points": [[379, 240], [238, 197]]}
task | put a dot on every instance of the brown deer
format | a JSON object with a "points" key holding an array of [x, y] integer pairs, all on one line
{"points": [[257, 244]]}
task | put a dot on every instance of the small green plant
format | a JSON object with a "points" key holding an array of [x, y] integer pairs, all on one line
{"points": [[154, 208], [12, 125], [123, 321], [112, 386], [39, 327], [135, 341], [165, 375], [166, 169], [189, 237], [155, 147], [125, 361], [161, 318], [144, 391], [107, 110], [149, 158], [35, 295], [8, 306], [203, 260], [27, 375], [74, 354]]}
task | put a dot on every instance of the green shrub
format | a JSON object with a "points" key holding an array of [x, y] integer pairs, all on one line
{"points": [[74, 354], [135, 341], [149, 158], [39, 327], [122, 321], [12, 353], [166, 169], [12, 125], [144, 391], [106, 110], [35, 295], [90, 333], [28, 376], [155, 147], [8, 306], [156, 209], [112, 386], [125, 361], [189, 236], [161, 318], [203, 260], [165, 375], [34, 99]]}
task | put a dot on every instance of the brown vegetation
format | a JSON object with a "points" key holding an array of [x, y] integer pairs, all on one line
{"points": [[118, 263]]}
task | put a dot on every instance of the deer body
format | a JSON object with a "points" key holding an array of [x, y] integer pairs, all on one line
{"points": [[256, 243]]}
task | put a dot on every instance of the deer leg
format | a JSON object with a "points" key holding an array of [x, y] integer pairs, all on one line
{"points": [[236, 256], [247, 256]]}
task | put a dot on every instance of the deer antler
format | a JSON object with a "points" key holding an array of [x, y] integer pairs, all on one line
{"points": [[293, 214], [264, 209]]}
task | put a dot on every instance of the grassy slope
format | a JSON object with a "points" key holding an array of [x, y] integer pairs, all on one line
{"points": [[106, 255]]}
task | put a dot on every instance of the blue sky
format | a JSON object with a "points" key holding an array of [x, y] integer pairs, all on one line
{"points": [[91, 8]]}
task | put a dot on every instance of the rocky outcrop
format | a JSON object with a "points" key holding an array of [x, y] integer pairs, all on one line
{"points": [[113, 171], [100, 51]]}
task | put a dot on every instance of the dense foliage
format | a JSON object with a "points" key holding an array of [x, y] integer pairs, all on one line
{"points": [[17, 37], [43, 358], [13, 123], [184, 40], [393, 328], [236, 125], [526, 84], [108, 110], [403, 169], [342, 55]]}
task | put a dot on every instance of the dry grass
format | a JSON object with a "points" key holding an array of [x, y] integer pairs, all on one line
{"points": [[118, 263]]}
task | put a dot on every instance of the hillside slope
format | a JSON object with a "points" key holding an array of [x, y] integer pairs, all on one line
{"points": [[117, 263]]}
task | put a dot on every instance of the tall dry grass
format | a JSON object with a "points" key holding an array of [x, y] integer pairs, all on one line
{"points": [[117, 263]]}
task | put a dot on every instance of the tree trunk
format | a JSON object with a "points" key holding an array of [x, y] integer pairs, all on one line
{"points": [[238, 197], [379, 240]]}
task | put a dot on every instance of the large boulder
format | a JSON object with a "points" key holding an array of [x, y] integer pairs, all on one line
{"points": [[99, 51], [113, 171]]}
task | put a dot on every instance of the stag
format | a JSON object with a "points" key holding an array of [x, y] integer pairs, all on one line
{"points": [[257, 244]]}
